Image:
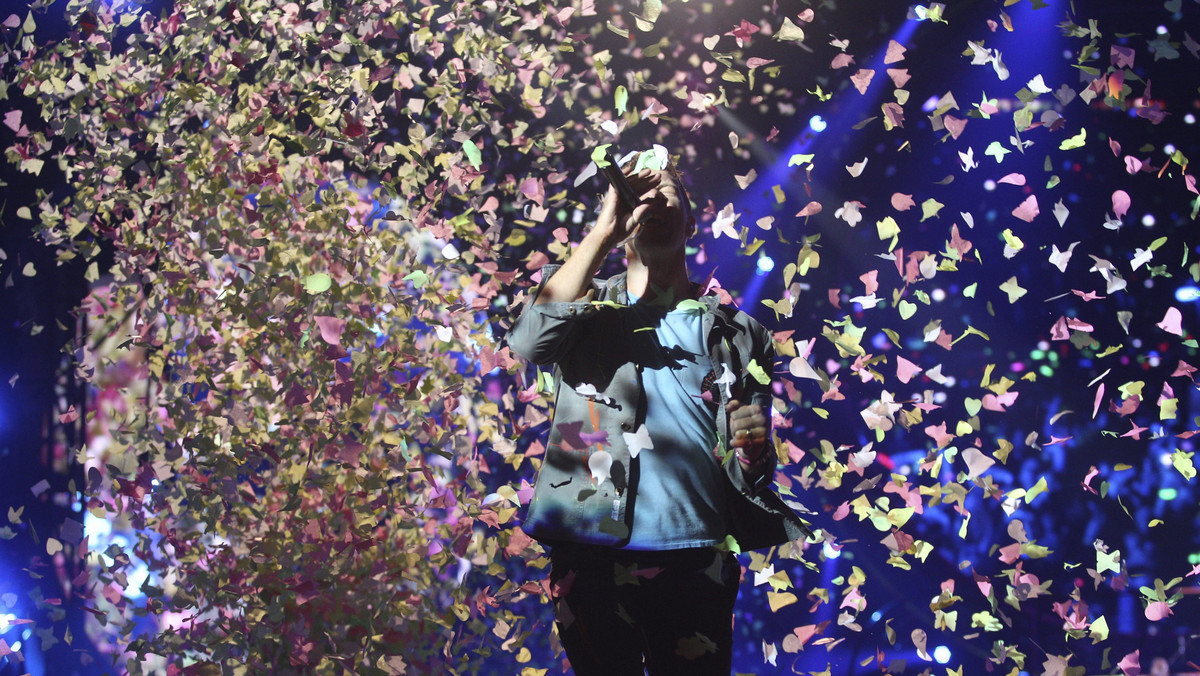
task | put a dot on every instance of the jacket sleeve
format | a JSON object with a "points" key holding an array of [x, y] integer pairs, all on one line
{"points": [[544, 333], [760, 475]]}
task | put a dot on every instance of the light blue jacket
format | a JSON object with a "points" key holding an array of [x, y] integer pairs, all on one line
{"points": [[604, 344]]}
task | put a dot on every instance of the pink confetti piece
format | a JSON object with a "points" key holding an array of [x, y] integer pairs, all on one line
{"points": [[743, 32], [12, 120], [810, 209], [1120, 203], [894, 113], [1098, 399], [1185, 370], [862, 79], [841, 61], [1172, 322], [900, 76], [1158, 610], [870, 281], [1013, 179], [999, 402], [977, 462], [1027, 210], [954, 125], [902, 202], [895, 52], [1115, 146], [905, 369], [1130, 663], [331, 329], [1122, 57], [842, 511], [939, 434], [533, 189], [1135, 432]]}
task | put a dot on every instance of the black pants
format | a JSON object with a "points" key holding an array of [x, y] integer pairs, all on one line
{"points": [[622, 612]]}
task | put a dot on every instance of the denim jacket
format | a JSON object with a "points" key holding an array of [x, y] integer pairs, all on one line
{"points": [[598, 348]]}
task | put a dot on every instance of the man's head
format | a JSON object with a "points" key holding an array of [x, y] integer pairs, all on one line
{"points": [[668, 222]]}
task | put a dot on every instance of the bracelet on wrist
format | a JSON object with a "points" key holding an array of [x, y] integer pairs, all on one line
{"points": [[745, 459]]}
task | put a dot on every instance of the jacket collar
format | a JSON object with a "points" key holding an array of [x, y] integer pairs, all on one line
{"points": [[618, 292]]}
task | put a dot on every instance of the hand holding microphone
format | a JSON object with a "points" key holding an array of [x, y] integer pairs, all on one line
{"points": [[623, 207], [616, 178]]}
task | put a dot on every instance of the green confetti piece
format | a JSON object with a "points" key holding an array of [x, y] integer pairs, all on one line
{"points": [[973, 406], [758, 373], [418, 278], [622, 99], [472, 152], [599, 155], [318, 283]]}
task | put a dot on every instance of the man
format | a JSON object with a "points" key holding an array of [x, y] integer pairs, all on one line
{"points": [[660, 448]]}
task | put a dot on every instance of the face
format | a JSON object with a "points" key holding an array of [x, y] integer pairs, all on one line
{"points": [[668, 223]]}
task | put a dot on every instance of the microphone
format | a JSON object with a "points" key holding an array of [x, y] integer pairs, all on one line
{"points": [[616, 178]]}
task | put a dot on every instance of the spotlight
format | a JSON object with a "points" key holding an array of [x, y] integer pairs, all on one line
{"points": [[830, 551], [817, 123], [765, 264], [1187, 294], [1167, 494], [941, 654]]}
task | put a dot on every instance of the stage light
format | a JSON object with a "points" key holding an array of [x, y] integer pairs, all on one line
{"points": [[941, 654], [1187, 294], [830, 551], [1148, 220], [1167, 494], [6, 620], [1169, 149], [1189, 118], [817, 123], [765, 264], [96, 529], [989, 185]]}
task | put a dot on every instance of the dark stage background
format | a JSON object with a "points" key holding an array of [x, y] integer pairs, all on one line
{"points": [[256, 408]]}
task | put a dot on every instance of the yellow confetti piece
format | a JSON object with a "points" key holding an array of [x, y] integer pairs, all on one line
{"points": [[1013, 289], [778, 600], [1075, 141], [1038, 489]]}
